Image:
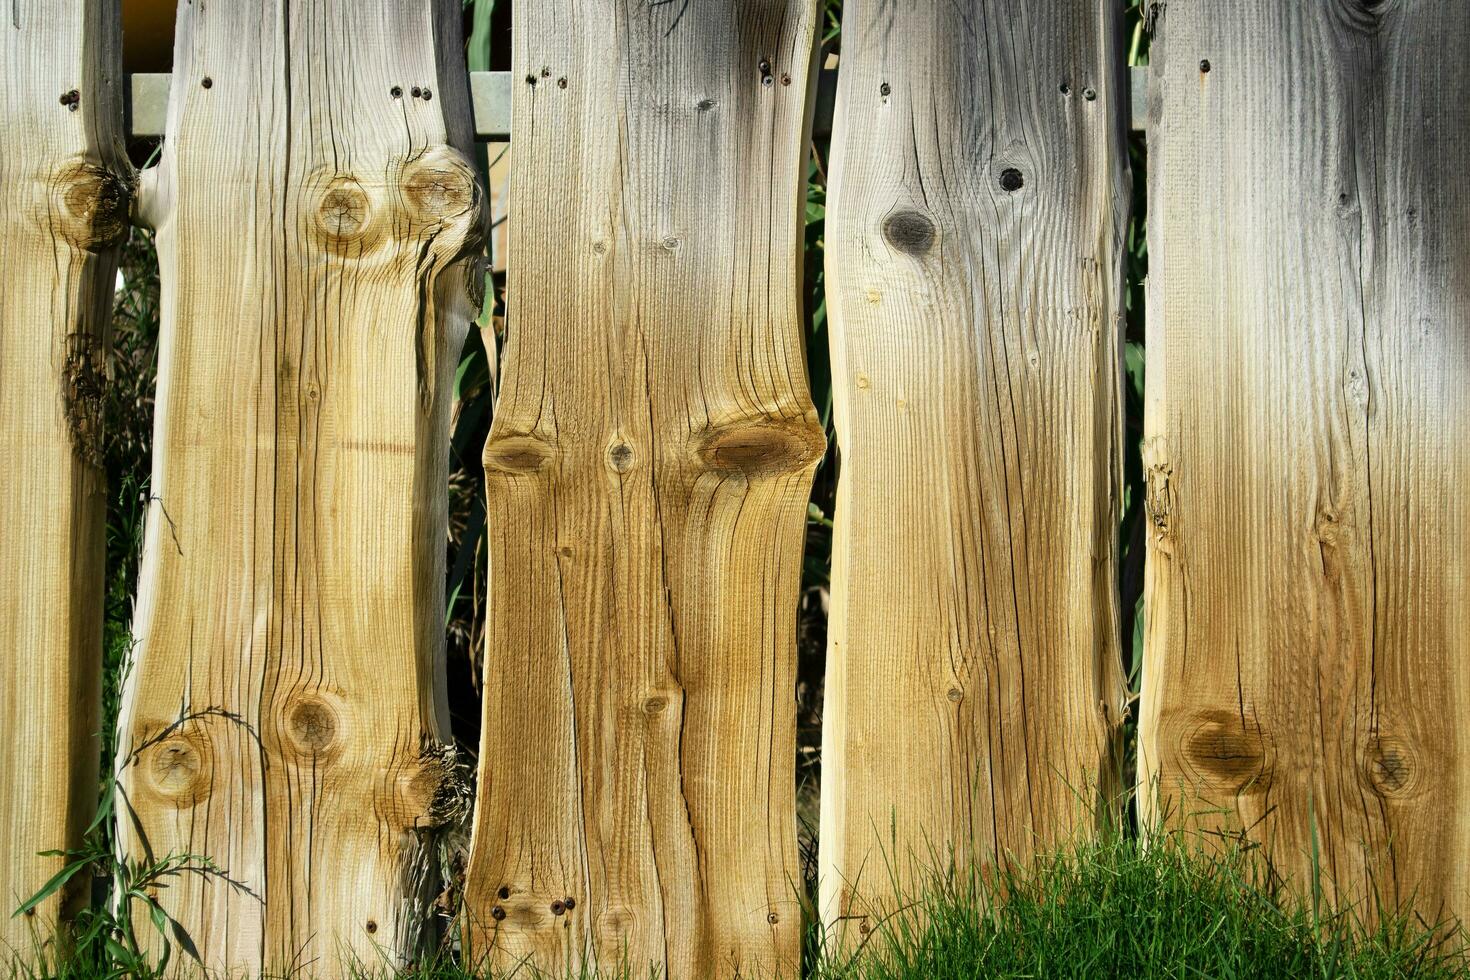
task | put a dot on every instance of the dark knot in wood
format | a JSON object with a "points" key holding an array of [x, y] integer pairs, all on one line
{"points": [[909, 232]]}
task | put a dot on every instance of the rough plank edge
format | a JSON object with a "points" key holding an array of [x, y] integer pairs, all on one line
{"points": [[490, 92]]}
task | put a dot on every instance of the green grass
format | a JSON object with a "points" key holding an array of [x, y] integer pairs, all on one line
{"points": [[1117, 908], [1107, 908]]}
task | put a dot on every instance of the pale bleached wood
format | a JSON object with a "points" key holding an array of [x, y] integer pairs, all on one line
{"points": [[64, 185], [318, 231], [977, 204], [1307, 443], [647, 475]]}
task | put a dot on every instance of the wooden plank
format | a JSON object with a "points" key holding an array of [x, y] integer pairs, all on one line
{"points": [[1308, 640], [490, 92], [318, 238], [977, 204], [647, 476], [64, 185]]}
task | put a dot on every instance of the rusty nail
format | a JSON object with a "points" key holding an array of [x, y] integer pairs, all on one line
{"points": [[208, 82], [570, 903], [557, 908], [428, 95], [1204, 65], [372, 926], [396, 91], [497, 913], [561, 82], [415, 91]]}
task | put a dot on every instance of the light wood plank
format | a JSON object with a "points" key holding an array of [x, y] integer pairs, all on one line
{"points": [[318, 234], [1308, 637], [647, 475], [64, 186], [977, 204]]}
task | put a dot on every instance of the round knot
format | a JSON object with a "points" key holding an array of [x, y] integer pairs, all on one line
{"points": [[178, 768], [909, 232], [312, 726], [343, 212], [620, 457]]}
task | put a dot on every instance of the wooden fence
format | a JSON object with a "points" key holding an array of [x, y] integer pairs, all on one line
{"points": [[319, 230]]}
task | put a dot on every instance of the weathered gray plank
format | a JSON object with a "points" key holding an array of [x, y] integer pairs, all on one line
{"points": [[64, 184], [647, 476], [319, 231], [1308, 642], [978, 199]]}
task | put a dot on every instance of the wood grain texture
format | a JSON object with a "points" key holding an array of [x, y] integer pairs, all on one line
{"points": [[318, 234], [1307, 444], [64, 185], [647, 476], [977, 203]]}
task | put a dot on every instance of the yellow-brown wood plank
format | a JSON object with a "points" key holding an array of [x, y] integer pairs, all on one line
{"points": [[1307, 440], [974, 238], [316, 218], [64, 185], [647, 475]]}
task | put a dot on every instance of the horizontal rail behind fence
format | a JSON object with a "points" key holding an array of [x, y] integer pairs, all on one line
{"points": [[490, 96]]}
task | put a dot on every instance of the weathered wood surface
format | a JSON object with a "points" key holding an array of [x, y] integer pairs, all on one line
{"points": [[1307, 443], [977, 203], [317, 224], [63, 210], [647, 476]]}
